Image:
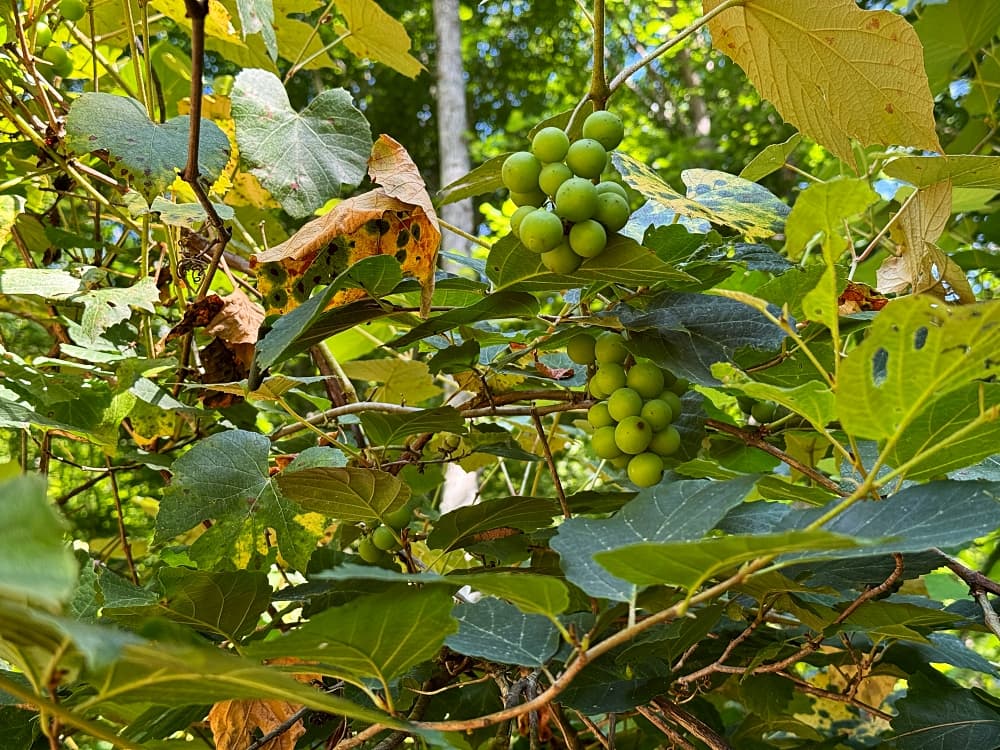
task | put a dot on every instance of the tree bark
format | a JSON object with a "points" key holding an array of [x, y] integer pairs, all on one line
{"points": [[452, 120]]}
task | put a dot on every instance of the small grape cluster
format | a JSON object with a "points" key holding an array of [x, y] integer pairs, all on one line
{"points": [[386, 537], [566, 213], [638, 403], [58, 59]]}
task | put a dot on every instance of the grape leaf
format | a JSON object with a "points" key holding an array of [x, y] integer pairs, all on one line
{"points": [[494, 630], [952, 35], [937, 714], [832, 70], [771, 159], [963, 171], [822, 208], [346, 493], [372, 34]]}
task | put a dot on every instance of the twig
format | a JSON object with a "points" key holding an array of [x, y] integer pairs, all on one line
{"points": [[695, 726], [463, 234], [122, 535], [676, 739], [595, 730], [570, 737], [279, 730], [360, 738], [550, 461], [980, 587], [754, 439], [808, 687]]}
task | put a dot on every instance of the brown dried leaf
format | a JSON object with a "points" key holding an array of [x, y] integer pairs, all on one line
{"points": [[859, 298], [391, 167], [197, 315], [239, 320], [233, 724]]}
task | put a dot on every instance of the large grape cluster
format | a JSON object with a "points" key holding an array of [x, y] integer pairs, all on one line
{"points": [[637, 404], [565, 212]]}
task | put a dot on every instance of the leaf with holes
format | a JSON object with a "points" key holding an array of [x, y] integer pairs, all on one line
{"points": [[150, 155], [303, 158], [918, 350]]}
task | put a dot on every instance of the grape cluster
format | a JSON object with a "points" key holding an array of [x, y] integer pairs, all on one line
{"points": [[385, 538], [638, 403], [565, 212], [58, 59]]}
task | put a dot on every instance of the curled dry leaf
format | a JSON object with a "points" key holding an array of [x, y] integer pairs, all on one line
{"points": [[233, 723], [397, 219]]}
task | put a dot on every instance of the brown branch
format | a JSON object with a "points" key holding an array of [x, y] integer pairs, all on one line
{"points": [[676, 738], [122, 535], [980, 587], [754, 439], [279, 730], [570, 737], [695, 726], [550, 461], [808, 687]]}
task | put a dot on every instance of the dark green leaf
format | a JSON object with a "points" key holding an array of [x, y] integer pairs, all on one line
{"points": [[465, 525], [390, 429], [499, 305], [937, 714], [349, 494], [492, 629], [483, 179]]}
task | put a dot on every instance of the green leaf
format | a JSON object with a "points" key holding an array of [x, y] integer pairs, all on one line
{"points": [[257, 17], [822, 208], [497, 631], [227, 603], [36, 566], [918, 349], [812, 399], [189, 215], [378, 636], [225, 477], [20, 417], [690, 564], [499, 305], [349, 494], [465, 525], [375, 35], [771, 159], [512, 266], [718, 197], [390, 429], [668, 511], [150, 154], [933, 427], [688, 333], [39, 282], [529, 592], [898, 620], [401, 381], [963, 171], [303, 158], [103, 308], [937, 714], [483, 179], [952, 35]]}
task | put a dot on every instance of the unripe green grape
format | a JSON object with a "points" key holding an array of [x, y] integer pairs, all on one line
{"points": [[72, 10], [633, 435], [519, 172], [576, 199], [550, 144], [541, 231], [645, 470], [621, 462], [384, 538], [665, 442], [673, 400], [62, 65], [646, 378], [610, 186], [517, 217], [745, 403], [587, 238], [450, 441], [587, 158], [668, 379], [624, 403], [658, 413], [604, 127], [43, 34], [680, 386], [609, 377], [599, 416], [552, 176], [610, 347], [534, 198], [612, 211], [562, 259], [367, 550], [603, 443], [580, 349], [763, 411], [399, 518]]}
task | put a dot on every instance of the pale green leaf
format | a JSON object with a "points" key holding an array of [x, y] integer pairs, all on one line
{"points": [[257, 17], [812, 399], [963, 171], [375, 35], [494, 630], [770, 160], [822, 208], [400, 381]]}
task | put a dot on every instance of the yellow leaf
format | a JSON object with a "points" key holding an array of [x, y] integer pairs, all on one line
{"points": [[834, 71], [375, 35], [218, 24]]}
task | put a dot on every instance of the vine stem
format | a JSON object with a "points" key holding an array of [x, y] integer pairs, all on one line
{"points": [[551, 463], [599, 90], [619, 80]]}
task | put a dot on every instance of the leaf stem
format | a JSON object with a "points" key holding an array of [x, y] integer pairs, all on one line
{"points": [[550, 461], [463, 234], [599, 90]]}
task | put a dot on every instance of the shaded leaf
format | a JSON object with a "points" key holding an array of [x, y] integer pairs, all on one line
{"points": [[952, 34], [470, 524], [483, 179], [937, 714], [390, 429], [498, 305], [233, 723], [494, 630]]}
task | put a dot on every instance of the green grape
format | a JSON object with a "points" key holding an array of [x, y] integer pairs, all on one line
{"points": [[668, 379], [745, 403], [587, 238], [666, 442], [673, 400], [552, 176], [517, 217], [609, 377], [580, 349], [604, 127], [610, 347], [587, 158], [645, 470], [541, 231], [763, 411], [599, 416], [562, 259], [658, 413], [610, 186], [550, 144], [623, 403], [622, 461], [646, 378], [385, 539], [43, 34], [633, 435], [680, 386], [62, 65], [450, 441], [367, 550], [399, 518], [72, 10], [611, 210], [519, 172], [533, 198], [603, 443], [576, 199]]}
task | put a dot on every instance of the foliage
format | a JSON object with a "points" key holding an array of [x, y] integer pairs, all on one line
{"points": [[233, 379]]}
